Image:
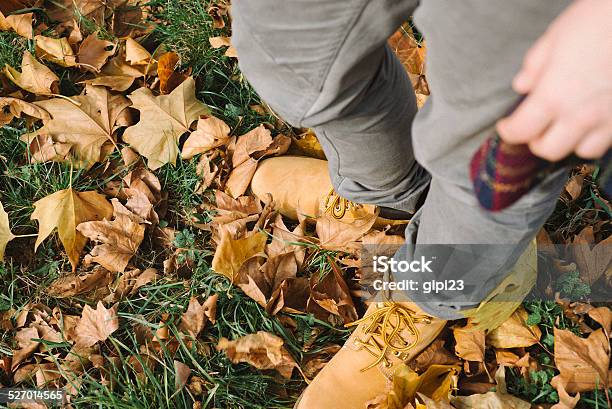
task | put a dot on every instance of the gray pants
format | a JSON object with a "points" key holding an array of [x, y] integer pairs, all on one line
{"points": [[324, 64]]}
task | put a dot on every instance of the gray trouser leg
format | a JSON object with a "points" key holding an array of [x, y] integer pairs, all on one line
{"points": [[324, 64]]}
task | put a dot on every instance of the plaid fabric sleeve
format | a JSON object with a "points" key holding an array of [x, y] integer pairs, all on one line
{"points": [[502, 173]]}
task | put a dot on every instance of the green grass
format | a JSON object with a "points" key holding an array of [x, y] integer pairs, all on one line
{"points": [[185, 29], [12, 47], [225, 385]]}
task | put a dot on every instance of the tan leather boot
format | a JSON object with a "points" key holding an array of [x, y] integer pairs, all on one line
{"points": [[389, 334], [301, 185]]}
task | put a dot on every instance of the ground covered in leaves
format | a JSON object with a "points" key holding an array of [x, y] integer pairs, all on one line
{"points": [[140, 273]]}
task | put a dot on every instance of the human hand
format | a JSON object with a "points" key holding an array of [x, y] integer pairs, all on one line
{"points": [[567, 77]]}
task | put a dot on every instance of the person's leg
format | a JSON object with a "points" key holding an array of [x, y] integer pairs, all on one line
{"points": [[325, 64], [474, 49]]}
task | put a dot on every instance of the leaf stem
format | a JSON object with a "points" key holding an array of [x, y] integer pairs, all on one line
{"points": [[24, 235], [66, 98], [71, 169]]}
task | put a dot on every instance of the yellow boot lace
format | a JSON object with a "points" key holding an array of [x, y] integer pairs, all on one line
{"points": [[383, 332], [336, 205]]}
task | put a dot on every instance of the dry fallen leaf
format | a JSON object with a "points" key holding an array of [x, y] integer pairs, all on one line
{"points": [[408, 50], [65, 210], [603, 316], [262, 350], [436, 383], [25, 340], [593, 259], [500, 399], [470, 343], [142, 190], [339, 235], [34, 76], [96, 325], [56, 50], [5, 231], [42, 148], [218, 42], [163, 120], [135, 54], [73, 284], [211, 132], [210, 308], [131, 21], [247, 151], [332, 294], [514, 332], [88, 126], [565, 400], [574, 186], [504, 300], [19, 23], [118, 75], [119, 240], [582, 362], [217, 11], [17, 107], [181, 375], [169, 77], [434, 354], [231, 253], [508, 358], [94, 52], [240, 178], [429, 403], [307, 144], [194, 319], [257, 139]]}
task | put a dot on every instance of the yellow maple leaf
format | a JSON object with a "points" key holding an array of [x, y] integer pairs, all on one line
{"points": [[64, 210], [501, 303], [163, 119], [514, 332], [231, 254]]}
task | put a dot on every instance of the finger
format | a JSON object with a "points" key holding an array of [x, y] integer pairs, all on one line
{"points": [[528, 122], [564, 135], [533, 65], [595, 144]]}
